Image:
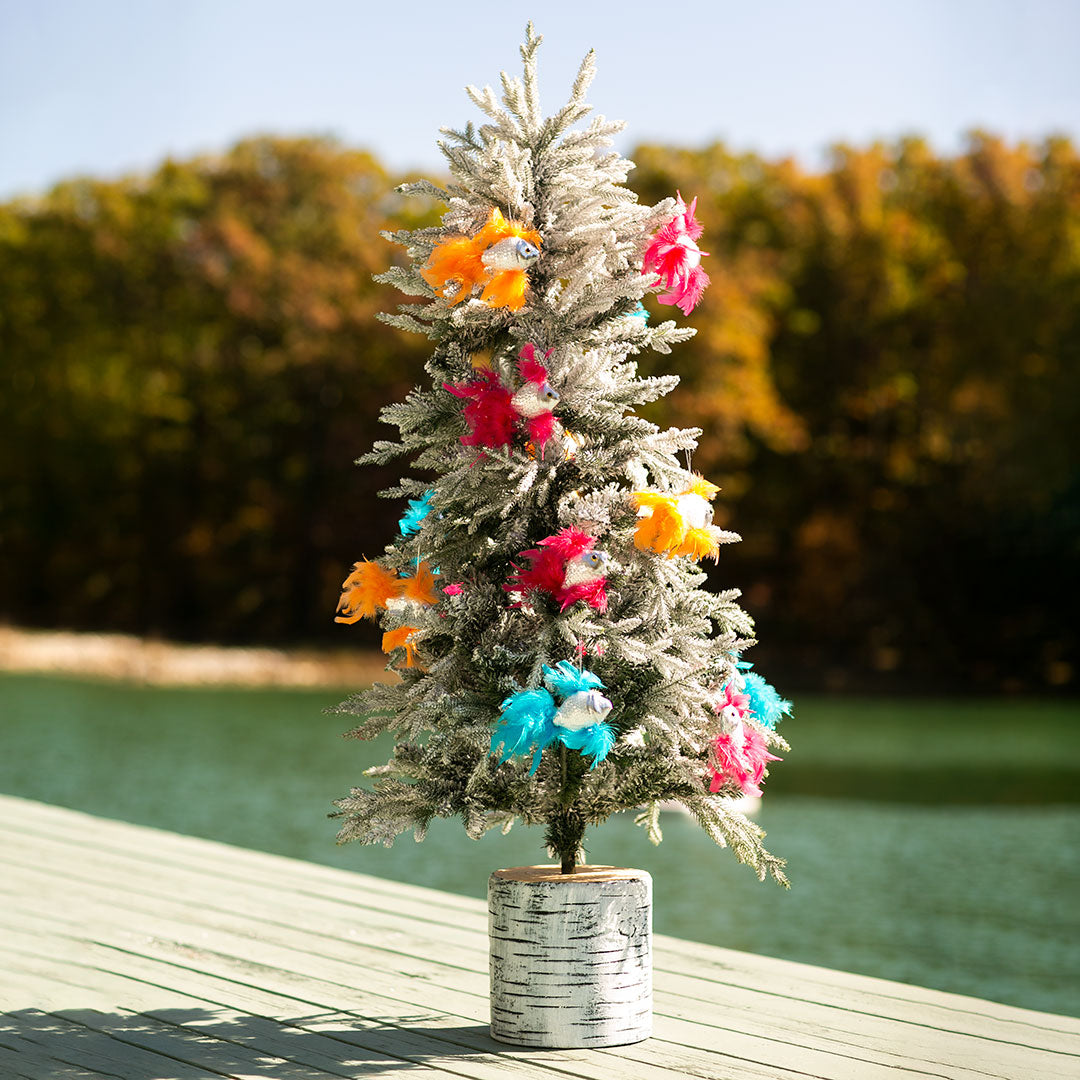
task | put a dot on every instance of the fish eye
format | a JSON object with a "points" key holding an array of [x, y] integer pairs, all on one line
{"points": [[550, 395], [592, 558]]}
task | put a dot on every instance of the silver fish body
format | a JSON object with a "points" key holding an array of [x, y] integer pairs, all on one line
{"points": [[511, 253], [533, 400], [582, 710]]}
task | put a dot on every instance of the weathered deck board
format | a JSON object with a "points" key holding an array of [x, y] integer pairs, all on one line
{"points": [[130, 952]]}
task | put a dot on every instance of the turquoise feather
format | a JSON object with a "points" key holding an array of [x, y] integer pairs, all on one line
{"points": [[414, 516], [525, 724], [564, 680], [766, 706], [594, 741]]}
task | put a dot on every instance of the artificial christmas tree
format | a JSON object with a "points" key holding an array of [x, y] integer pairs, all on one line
{"points": [[543, 603]]}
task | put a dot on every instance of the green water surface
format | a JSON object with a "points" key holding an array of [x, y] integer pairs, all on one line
{"points": [[928, 842]]}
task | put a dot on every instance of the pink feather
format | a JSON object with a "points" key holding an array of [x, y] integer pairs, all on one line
{"points": [[490, 415], [686, 292], [733, 697], [674, 256], [529, 368], [740, 761], [756, 754], [541, 428], [544, 574], [594, 593], [693, 227], [569, 543]]}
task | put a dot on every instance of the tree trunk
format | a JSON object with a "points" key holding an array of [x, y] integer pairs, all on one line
{"points": [[571, 956]]}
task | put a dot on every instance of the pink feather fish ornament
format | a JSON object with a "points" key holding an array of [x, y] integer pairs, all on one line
{"points": [[495, 415], [739, 754], [565, 567], [674, 255]]}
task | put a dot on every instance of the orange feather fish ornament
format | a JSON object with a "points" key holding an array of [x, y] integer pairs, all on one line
{"points": [[497, 258], [371, 588], [679, 524], [417, 591]]}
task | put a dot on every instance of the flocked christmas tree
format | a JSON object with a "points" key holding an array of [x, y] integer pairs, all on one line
{"points": [[559, 657]]}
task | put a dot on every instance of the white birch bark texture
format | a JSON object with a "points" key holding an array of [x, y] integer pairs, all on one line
{"points": [[571, 956]]}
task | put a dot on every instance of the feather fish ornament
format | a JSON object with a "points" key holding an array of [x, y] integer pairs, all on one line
{"points": [[371, 588], [567, 568], [568, 709], [497, 258], [739, 754], [673, 255], [679, 524], [581, 716], [495, 414], [418, 591], [740, 758]]}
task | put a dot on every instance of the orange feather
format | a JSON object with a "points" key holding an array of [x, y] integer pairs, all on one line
{"points": [[699, 544], [701, 486], [506, 289], [457, 261], [498, 228], [421, 588], [652, 498], [400, 639], [664, 529], [365, 590]]}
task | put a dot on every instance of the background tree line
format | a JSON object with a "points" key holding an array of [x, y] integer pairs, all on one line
{"points": [[886, 370]]}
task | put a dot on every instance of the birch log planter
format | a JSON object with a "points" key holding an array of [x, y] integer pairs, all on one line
{"points": [[571, 956]]}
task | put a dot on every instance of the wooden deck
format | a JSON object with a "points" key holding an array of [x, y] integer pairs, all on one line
{"points": [[129, 952]]}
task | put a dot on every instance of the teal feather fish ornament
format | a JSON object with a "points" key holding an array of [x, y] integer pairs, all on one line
{"points": [[568, 709]]}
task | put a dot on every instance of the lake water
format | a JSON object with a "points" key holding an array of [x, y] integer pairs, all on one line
{"points": [[930, 842]]}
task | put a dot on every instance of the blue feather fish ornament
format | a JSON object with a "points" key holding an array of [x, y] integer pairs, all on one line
{"points": [[570, 709]]}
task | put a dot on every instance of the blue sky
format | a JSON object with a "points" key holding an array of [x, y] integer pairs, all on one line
{"points": [[107, 87]]}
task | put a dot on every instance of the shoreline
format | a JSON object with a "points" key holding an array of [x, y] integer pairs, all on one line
{"points": [[126, 658]]}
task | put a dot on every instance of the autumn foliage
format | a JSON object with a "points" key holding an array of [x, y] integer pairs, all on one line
{"points": [[887, 370]]}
